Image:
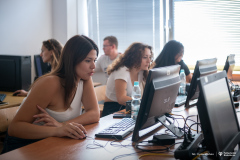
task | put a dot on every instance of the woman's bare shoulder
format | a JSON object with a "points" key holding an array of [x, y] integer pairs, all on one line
{"points": [[48, 83]]}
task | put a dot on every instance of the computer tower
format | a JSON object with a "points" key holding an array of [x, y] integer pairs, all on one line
{"points": [[15, 72]]}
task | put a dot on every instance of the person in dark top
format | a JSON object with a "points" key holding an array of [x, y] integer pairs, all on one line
{"points": [[172, 54]]}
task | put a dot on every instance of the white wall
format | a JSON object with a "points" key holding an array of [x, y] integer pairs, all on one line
{"points": [[71, 18], [59, 23], [24, 25], [82, 17]]}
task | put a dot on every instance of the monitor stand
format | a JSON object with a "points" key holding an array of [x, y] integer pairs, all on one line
{"points": [[175, 130], [236, 157], [234, 142]]}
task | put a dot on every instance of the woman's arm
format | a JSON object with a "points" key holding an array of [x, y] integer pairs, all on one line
{"points": [[121, 93], [189, 78], [41, 94], [90, 103]]}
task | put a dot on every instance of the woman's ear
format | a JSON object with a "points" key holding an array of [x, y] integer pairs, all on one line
{"points": [[52, 52]]}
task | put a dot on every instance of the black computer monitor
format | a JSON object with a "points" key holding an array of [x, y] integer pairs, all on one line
{"points": [[202, 68], [41, 68], [15, 72], [158, 98], [229, 65], [217, 115]]}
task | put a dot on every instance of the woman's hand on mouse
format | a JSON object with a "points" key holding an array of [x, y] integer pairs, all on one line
{"points": [[72, 130], [20, 93]]}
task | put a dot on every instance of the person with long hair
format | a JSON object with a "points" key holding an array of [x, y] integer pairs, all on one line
{"points": [[53, 106], [50, 53], [171, 54], [131, 66]]}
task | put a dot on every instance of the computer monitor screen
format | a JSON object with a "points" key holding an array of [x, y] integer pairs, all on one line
{"points": [[15, 72], [229, 65], [41, 68], [217, 115], [202, 68], [158, 98]]}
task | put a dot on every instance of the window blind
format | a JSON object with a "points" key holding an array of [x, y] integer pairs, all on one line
{"points": [[208, 29], [129, 20]]}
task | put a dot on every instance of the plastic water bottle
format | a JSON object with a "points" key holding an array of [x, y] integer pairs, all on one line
{"points": [[136, 100], [182, 88]]}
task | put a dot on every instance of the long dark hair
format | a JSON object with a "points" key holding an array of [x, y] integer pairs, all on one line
{"points": [[56, 47], [132, 58], [75, 51], [168, 53]]}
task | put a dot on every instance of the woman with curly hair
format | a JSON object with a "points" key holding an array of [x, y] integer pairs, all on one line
{"points": [[131, 66]]}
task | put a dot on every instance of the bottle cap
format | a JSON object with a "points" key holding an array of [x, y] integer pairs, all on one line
{"points": [[136, 83], [182, 70]]}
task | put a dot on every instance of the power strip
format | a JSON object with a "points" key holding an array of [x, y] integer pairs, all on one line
{"points": [[190, 151]]}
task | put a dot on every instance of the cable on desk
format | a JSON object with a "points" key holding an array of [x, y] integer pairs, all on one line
{"points": [[119, 145], [125, 155], [155, 154], [190, 120], [170, 115], [96, 144], [193, 125]]}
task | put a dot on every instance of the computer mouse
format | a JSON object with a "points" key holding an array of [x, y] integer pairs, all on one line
{"points": [[85, 136], [15, 94]]}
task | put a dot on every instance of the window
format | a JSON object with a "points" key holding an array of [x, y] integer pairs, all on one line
{"points": [[129, 20], [207, 29]]}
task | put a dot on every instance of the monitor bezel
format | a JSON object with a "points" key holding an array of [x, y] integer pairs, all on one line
{"points": [[202, 106], [171, 73], [230, 61], [44, 67], [202, 68]]}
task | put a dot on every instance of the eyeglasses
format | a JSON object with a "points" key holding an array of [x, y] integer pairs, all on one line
{"points": [[104, 46]]}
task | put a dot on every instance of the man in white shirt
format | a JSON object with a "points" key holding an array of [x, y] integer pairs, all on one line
{"points": [[110, 46]]}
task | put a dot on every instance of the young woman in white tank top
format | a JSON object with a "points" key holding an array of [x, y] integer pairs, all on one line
{"points": [[53, 106]]}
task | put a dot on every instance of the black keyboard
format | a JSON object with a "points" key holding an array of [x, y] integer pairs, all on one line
{"points": [[2, 97], [118, 130], [181, 99]]}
